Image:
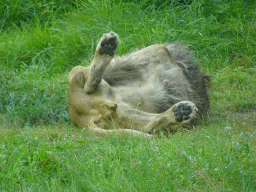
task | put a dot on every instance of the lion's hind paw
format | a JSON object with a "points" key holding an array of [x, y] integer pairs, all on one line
{"points": [[185, 111]]}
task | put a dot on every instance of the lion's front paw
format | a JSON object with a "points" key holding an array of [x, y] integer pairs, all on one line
{"points": [[185, 111], [108, 44]]}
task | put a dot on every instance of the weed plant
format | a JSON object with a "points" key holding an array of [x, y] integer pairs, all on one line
{"points": [[40, 41]]}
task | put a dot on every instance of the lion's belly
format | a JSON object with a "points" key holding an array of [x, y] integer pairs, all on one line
{"points": [[149, 98]]}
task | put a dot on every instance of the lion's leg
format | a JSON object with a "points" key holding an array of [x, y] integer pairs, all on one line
{"points": [[104, 53], [142, 123], [99, 131], [182, 112]]}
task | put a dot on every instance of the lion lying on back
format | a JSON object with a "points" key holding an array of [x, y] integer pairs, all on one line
{"points": [[154, 89]]}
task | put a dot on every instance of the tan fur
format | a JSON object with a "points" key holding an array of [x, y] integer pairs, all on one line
{"points": [[144, 92]]}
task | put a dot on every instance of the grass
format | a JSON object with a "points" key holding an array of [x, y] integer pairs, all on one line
{"points": [[62, 158], [40, 150]]}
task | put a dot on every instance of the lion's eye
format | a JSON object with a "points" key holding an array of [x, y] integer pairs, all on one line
{"points": [[97, 122]]}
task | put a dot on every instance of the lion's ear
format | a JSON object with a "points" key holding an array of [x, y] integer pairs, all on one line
{"points": [[80, 79]]}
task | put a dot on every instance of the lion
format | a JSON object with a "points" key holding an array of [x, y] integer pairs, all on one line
{"points": [[156, 89]]}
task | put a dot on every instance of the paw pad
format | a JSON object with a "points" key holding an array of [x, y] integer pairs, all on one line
{"points": [[183, 112], [108, 43]]}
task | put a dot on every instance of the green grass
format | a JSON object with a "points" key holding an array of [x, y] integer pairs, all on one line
{"points": [[40, 150], [62, 158]]}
